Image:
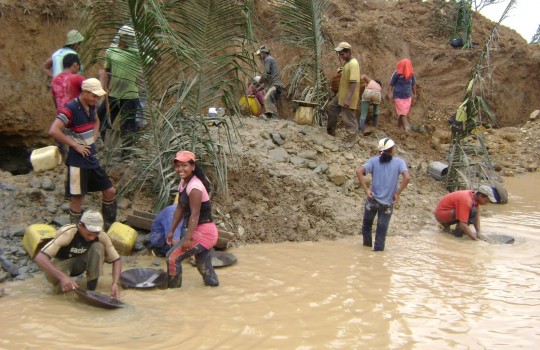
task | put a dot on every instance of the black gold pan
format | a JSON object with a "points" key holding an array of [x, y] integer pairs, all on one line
{"points": [[98, 299]]}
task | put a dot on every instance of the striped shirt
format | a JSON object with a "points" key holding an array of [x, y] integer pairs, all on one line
{"points": [[80, 127]]}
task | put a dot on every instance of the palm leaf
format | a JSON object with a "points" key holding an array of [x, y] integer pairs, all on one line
{"points": [[190, 55]]}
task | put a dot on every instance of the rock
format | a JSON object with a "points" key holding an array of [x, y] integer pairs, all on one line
{"points": [[16, 231], [297, 161], [240, 231], [47, 184], [532, 167], [61, 220], [2, 292], [32, 193], [348, 156], [317, 139], [8, 187], [308, 154], [124, 204], [534, 115], [277, 138], [337, 178], [3, 277], [312, 165], [279, 154]]}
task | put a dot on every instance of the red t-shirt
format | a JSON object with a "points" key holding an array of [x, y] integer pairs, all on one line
{"points": [[65, 87], [458, 202]]}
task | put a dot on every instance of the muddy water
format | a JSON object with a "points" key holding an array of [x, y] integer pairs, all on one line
{"points": [[427, 291]]}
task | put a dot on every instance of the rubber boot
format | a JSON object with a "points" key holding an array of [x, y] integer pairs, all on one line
{"points": [[74, 218], [108, 210], [174, 281]]}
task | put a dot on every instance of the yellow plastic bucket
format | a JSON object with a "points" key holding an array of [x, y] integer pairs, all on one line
{"points": [[122, 237], [36, 236], [251, 104], [45, 158]]}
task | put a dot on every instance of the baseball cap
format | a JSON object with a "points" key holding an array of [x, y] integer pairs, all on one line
{"points": [[257, 78], [342, 45], [92, 220], [385, 144], [94, 86], [184, 156], [263, 48], [490, 192]]}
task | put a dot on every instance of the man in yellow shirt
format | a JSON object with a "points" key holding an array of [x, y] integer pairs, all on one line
{"points": [[345, 102]]}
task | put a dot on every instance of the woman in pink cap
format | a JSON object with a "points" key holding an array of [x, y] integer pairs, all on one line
{"points": [[194, 206]]}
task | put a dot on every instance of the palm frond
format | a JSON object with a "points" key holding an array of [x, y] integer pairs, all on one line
{"points": [[190, 54]]}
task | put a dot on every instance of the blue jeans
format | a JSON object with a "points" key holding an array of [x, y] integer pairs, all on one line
{"points": [[372, 208]]}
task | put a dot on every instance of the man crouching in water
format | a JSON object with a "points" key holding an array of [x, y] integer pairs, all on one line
{"points": [[462, 208], [77, 248]]}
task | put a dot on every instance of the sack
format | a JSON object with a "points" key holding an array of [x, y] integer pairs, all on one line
{"points": [[334, 84]]}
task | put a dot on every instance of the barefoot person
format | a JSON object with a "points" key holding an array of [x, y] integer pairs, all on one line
{"points": [[202, 234], [79, 248], [384, 193], [403, 90], [463, 209]]}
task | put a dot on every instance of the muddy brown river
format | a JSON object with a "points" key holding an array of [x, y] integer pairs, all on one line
{"points": [[428, 290]]}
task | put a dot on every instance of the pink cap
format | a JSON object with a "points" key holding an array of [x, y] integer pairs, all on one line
{"points": [[184, 156]]}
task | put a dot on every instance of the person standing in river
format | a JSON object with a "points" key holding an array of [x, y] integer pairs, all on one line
{"points": [[202, 234], [384, 193]]}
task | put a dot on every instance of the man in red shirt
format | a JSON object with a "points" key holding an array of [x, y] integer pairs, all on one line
{"points": [[462, 208], [67, 85]]}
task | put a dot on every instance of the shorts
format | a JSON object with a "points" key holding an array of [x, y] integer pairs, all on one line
{"points": [[80, 181]]}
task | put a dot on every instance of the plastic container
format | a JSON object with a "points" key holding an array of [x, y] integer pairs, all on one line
{"points": [[437, 170], [122, 237], [45, 158], [36, 236], [304, 115], [212, 112], [251, 104]]}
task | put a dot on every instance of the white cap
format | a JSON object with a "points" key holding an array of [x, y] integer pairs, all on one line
{"points": [[92, 220], [385, 144], [94, 86], [257, 78], [342, 45]]}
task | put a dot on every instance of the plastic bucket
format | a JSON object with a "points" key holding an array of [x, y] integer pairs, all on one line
{"points": [[437, 170], [36, 236], [252, 104], [122, 237]]}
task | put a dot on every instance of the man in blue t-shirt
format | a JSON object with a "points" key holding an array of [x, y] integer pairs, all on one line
{"points": [[79, 121], [384, 193]]}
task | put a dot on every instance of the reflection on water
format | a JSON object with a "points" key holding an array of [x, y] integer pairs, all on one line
{"points": [[426, 291]]}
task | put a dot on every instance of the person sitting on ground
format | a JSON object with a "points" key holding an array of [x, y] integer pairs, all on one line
{"points": [[371, 96], [77, 248], [257, 89], [67, 85], [202, 233], [53, 65], [157, 238], [462, 208]]}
